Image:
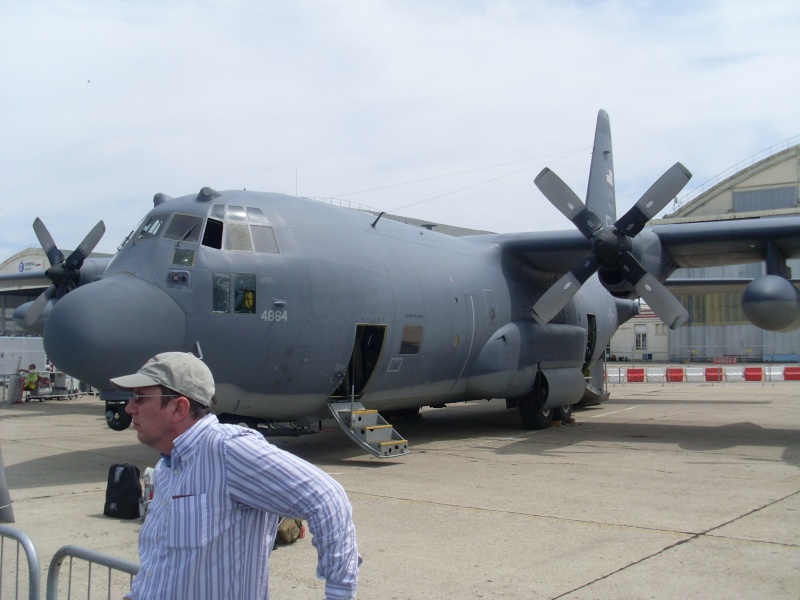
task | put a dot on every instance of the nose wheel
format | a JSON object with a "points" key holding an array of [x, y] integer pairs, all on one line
{"points": [[116, 417]]}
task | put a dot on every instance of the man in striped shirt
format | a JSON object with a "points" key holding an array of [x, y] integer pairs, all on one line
{"points": [[219, 492]]}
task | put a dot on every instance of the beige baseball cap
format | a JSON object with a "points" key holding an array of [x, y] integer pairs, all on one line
{"points": [[179, 371]]}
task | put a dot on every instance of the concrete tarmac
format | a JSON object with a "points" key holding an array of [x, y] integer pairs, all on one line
{"points": [[665, 491]]}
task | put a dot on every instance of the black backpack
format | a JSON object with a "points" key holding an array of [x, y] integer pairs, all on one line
{"points": [[123, 492]]}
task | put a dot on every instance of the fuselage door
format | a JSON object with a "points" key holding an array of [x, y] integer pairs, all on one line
{"points": [[464, 335], [366, 353], [591, 338]]}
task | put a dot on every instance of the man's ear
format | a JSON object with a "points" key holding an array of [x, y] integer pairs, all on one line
{"points": [[182, 407]]}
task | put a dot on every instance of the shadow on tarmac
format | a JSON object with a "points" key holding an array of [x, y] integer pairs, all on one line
{"points": [[461, 422], [464, 424]]}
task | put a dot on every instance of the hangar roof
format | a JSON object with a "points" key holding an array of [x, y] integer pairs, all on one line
{"points": [[769, 186]]}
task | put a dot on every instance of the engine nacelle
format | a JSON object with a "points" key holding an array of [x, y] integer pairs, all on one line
{"points": [[773, 303], [648, 251]]}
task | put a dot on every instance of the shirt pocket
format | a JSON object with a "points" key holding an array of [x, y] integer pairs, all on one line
{"points": [[189, 521]]}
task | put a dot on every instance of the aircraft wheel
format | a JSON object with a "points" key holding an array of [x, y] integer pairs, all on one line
{"points": [[531, 410], [563, 413], [534, 418], [117, 419]]}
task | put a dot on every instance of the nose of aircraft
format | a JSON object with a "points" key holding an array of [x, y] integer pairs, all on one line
{"points": [[111, 328]]}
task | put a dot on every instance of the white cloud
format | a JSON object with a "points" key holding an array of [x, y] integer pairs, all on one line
{"points": [[105, 104]]}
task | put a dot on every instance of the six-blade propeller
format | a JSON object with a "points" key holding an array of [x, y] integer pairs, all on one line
{"points": [[611, 244]]}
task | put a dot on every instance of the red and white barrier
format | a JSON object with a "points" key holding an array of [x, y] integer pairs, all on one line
{"points": [[724, 372]]}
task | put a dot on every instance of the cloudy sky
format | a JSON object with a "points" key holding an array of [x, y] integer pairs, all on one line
{"points": [[442, 110]]}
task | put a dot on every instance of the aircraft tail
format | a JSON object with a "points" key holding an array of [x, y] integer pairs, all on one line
{"points": [[600, 197]]}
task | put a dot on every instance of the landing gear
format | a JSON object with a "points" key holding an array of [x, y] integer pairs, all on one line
{"points": [[531, 407], [116, 417], [563, 413]]}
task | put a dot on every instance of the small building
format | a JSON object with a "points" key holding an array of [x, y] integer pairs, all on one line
{"points": [[644, 338]]}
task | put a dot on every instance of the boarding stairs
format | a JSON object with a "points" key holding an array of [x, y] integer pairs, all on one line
{"points": [[368, 429]]}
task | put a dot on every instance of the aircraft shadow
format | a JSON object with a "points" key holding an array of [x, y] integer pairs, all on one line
{"points": [[80, 467], [465, 424]]}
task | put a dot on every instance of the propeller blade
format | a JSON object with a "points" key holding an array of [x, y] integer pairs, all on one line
{"points": [[560, 293], [75, 260], [659, 298], [37, 308], [654, 200], [662, 301], [567, 202], [600, 196], [54, 255]]}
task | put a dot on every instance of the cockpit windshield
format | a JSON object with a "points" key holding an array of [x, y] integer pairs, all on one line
{"points": [[153, 227], [184, 228], [237, 228], [240, 228]]}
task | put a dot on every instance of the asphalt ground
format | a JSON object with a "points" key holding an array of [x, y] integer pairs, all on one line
{"points": [[665, 491]]}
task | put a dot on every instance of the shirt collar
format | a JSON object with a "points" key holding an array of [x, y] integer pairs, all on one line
{"points": [[188, 440]]}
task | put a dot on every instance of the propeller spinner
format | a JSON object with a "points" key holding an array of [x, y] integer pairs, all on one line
{"points": [[611, 244], [63, 272]]}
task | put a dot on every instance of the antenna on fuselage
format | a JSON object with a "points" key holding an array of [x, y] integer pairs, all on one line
{"points": [[375, 222]]}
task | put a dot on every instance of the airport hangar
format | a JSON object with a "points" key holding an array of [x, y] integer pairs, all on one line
{"points": [[767, 184]]}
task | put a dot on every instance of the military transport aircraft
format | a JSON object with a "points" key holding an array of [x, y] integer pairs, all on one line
{"points": [[305, 310]]}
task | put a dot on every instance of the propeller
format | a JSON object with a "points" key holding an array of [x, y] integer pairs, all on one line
{"points": [[63, 272], [611, 243]]}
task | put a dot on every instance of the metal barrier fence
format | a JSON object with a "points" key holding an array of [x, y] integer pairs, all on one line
{"points": [[21, 543], [91, 557], [10, 389], [114, 584], [720, 373]]}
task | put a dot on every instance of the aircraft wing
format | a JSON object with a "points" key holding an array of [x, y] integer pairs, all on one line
{"points": [[729, 242], [547, 251], [696, 244], [32, 280]]}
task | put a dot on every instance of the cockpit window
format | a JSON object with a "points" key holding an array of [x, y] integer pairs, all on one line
{"points": [[244, 293], [241, 297], [264, 239], [153, 228], [237, 237], [256, 217], [241, 229], [236, 213], [212, 237], [184, 228]]}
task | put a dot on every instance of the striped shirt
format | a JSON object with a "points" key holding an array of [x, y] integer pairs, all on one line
{"points": [[212, 522]]}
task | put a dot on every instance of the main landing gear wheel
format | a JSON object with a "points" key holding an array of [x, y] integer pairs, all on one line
{"points": [[563, 414], [116, 417], [531, 407]]}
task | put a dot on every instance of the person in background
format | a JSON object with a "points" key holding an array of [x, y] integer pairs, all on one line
{"points": [[31, 381], [219, 493]]}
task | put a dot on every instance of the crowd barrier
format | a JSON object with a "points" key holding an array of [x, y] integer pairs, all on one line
{"points": [[699, 374], [12, 578], [120, 573]]}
